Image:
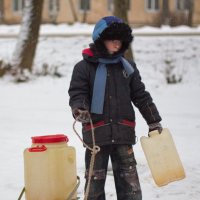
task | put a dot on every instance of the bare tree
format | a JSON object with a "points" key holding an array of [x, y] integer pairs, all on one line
{"points": [[85, 9], [1, 11], [53, 10], [28, 37], [165, 12], [120, 10], [191, 12], [73, 10]]}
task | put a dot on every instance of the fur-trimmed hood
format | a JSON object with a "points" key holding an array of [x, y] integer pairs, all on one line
{"points": [[111, 28]]}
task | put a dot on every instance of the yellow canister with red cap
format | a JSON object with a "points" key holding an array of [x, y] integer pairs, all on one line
{"points": [[49, 168]]}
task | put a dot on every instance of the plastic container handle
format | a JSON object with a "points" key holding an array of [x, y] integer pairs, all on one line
{"points": [[37, 149], [153, 133]]}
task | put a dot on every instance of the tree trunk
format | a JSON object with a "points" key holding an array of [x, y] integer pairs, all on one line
{"points": [[165, 12], [191, 12], [73, 10], [84, 13], [120, 10], [1, 11], [28, 37], [53, 13]]}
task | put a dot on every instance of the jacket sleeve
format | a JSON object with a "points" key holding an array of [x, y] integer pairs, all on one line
{"points": [[142, 99], [79, 87]]}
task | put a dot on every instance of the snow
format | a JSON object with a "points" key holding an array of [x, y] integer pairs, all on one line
{"points": [[40, 107], [167, 30], [86, 29]]}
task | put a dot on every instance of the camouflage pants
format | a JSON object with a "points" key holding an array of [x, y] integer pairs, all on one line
{"points": [[124, 169]]}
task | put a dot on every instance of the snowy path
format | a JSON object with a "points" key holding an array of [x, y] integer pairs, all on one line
{"points": [[40, 108]]}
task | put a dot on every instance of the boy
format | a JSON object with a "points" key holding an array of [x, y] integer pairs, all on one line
{"points": [[103, 86]]}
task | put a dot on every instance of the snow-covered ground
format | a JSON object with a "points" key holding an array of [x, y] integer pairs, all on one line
{"points": [[40, 107], [86, 29]]}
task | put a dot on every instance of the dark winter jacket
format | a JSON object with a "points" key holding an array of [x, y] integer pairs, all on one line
{"points": [[117, 123]]}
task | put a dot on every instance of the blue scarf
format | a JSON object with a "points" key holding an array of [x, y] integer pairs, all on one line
{"points": [[100, 81]]}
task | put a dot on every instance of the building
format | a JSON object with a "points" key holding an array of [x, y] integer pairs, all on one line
{"points": [[140, 12]]}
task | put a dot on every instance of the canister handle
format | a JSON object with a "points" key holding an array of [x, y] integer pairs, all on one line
{"points": [[37, 148], [153, 133]]}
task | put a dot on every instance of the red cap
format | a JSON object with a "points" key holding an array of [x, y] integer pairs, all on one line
{"points": [[50, 138]]}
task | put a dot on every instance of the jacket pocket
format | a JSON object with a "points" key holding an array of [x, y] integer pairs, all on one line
{"points": [[102, 134]]}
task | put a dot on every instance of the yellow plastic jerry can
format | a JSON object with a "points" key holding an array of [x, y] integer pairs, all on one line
{"points": [[162, 157], [49, 168]]}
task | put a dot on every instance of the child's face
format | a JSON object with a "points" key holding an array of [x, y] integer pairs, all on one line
{"points": [[113, 46]]}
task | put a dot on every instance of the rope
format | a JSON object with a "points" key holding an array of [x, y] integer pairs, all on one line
{"points": [[94, 150]]}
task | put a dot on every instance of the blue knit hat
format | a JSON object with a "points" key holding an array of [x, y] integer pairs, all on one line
{"points": [[102, 24]]}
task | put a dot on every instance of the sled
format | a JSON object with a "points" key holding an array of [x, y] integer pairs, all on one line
{"points": [[162, 157]]}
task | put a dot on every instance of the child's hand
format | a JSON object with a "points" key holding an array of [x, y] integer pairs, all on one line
{"points": [[155, 126], [81, 115]]}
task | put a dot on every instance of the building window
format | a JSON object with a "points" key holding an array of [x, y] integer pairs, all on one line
{"points": [[152, 5], [85, 5], [18, 5], [53, 6], [182, 4], [111, 5]]}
